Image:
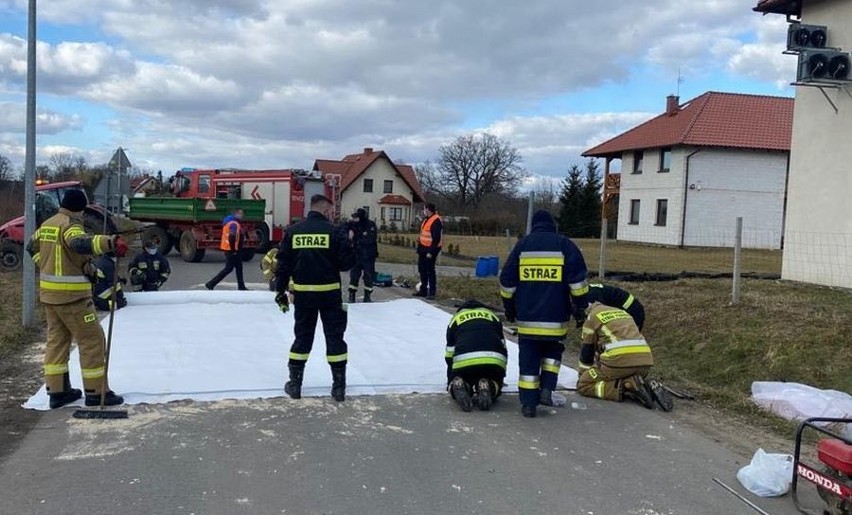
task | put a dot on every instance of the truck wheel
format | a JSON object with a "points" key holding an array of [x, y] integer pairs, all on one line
{"points": [[247, 255], [160, 236], [262, 233], [189, 250], [11, 256]]}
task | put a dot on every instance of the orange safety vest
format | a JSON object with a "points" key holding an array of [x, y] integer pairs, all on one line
{"points": [[225, 244], [426, 231]]}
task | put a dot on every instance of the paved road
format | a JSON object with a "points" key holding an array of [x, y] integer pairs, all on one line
{"points": [[371, 455]]}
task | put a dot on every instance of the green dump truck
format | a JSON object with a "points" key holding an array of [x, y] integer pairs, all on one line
{"points": [[193, 225]]}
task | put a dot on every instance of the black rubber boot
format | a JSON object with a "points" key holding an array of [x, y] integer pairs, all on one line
{"points": [[352, 295], [293, 387], [635, 389], [484, 394], [367, 294], [110, 399], [458, 389], [528, 411], [66, 396], [661, 396], [546, 397], [338, 384]]}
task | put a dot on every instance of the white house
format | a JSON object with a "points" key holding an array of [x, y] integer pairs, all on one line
{"points": [[818, 232], [371, 180], [687, 174]]}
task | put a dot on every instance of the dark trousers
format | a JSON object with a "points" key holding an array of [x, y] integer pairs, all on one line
{"points": [[472, 375], [307, 308], [539, 362], [426, 267], [233, 261], [365, 267]]}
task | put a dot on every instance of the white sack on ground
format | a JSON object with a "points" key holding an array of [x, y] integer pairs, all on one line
{"points": [[796, 401], [207, 346]]}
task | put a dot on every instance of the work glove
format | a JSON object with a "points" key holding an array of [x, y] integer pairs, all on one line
{"points": [[283, 301], [119, 246]]}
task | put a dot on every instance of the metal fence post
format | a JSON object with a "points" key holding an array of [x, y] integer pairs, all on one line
{"points": [[602, 261], [530, 210], [738, 248], [508, 240]]}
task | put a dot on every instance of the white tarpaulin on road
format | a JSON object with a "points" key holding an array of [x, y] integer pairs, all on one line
{"points": [[796, 401], [207, 346]]}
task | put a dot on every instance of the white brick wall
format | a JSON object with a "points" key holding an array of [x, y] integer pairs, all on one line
{"points": [[727, 183]]}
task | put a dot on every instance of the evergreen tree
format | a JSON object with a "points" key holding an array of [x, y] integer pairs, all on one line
{"points": [[590, 201], [570, 218]]}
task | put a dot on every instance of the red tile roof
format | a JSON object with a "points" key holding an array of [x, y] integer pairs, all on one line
{"points": [[352, 166], [793, 7], [714, 119], [396, 200]]}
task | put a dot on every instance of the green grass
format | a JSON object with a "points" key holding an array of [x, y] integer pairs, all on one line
{"points": [[14, 337], [621, 256]]}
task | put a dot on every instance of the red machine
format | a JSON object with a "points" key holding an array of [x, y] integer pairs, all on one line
{"points": [[48, 197], [283, 190], [834, 477]]}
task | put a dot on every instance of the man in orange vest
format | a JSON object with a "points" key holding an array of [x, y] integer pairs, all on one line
{"points": [[428, 247], [232, 242]]}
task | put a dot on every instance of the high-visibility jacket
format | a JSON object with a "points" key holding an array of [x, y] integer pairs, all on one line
{"points": [[611, 334], [475, 339], [231, 234], [149, 271], [268, 264], [103, 286], [313, 254], [544, 278], [430, 234], [62, 249]]}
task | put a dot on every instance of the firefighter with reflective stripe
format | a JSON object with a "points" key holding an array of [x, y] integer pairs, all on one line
{"points": [[365, 239], [476, 356], [103, 284], [544, 279], [268, 266], [428, 247], [313, 254], [149, 269], [64, 253], [232, 242], [615, 360], [623, 299]]}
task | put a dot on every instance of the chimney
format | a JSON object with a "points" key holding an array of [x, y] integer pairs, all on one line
{"points": [[672, 105], [368, 150]]}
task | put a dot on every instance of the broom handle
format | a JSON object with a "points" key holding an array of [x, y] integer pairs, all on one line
{"points": [[113, 301]]}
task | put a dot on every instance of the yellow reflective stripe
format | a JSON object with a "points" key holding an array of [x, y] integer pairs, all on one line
{"points": [[93, 373], [36, 258], [337, 358], [551, 365], [57, 259], [316, 287], [599, 389], [588, 331], [449, 351], [625, 343], [579, 289], [529, 382], [96, 245], [55, 369], [554, 261], [296, 356], [583, 367], [507, 294], [542, 328], [106, 294], [541, 254], [479, 362], [634, 349], [628, 302], [73, 232], [466, 315], [52, 286]]}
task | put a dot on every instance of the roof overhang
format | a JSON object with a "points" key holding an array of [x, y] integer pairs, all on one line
{"points": [[787, 7]]}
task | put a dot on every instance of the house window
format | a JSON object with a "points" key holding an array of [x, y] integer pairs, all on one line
{"points": [[662, 212], [638, 157], [368, 185], [395, 214], [203, 183], [634, 212], [389, 186], [665, 160]]}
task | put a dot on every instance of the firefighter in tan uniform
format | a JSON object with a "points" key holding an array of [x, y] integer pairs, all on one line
{"points": [[62, 250], [615, 360]]}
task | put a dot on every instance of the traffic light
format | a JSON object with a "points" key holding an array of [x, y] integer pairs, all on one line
{"points": [[823, 65], [801, 37]]}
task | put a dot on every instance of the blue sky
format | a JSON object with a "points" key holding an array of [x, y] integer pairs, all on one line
{"points": [[257, 83]]}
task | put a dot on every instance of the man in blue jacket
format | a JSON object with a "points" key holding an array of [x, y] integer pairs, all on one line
{"points": [[542, 283]]}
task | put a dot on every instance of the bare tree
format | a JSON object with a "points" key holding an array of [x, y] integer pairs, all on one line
{"points": [[546, 192], [6, 169], [427, 176], [65, 166], [475, 166]]}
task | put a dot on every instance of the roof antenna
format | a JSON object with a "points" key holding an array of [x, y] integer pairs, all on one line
{"points": [[680, 80]]}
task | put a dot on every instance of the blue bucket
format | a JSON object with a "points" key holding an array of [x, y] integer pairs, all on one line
{"points": [[482, 266], [493, 265]]}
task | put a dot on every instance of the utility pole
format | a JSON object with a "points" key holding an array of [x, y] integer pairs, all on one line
{"points": [[28, 305], [530, 208]]}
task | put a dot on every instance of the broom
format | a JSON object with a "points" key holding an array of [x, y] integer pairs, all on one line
{"points": [[101, 413]]}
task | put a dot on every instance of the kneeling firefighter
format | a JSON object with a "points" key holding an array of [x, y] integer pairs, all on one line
{"points": [[476, 356], [103, 281], [609, 295], [615, 360]]}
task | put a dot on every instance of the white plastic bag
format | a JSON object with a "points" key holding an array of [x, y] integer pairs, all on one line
{"points": [[768, 475]]}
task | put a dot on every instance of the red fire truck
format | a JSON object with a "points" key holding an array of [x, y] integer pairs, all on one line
{"points": [[284, 191]]}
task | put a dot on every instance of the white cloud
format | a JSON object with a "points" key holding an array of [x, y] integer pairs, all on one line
{"points": [[763, 59], [13, 120]]}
